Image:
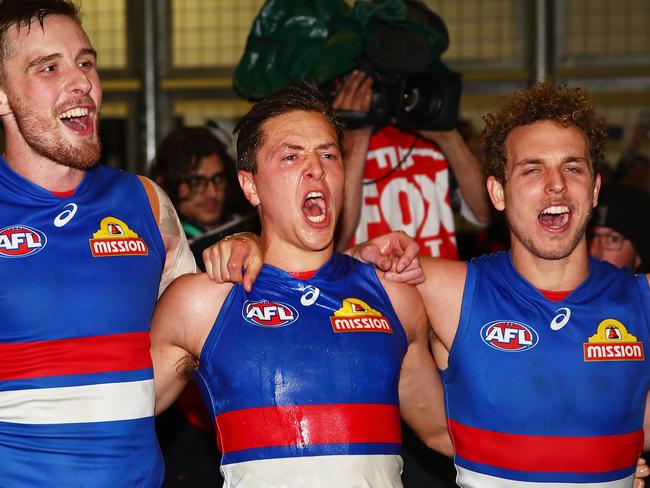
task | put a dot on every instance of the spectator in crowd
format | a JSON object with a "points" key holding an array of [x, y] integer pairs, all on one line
{"points": [[619, 229], [195, 169]]}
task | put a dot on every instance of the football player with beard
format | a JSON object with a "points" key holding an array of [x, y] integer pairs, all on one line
{"points": [[85, 250]]}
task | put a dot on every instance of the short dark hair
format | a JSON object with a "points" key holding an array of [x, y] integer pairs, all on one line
{"points": [[296, 97], [543, 101], [21, 13], [180, 153]]}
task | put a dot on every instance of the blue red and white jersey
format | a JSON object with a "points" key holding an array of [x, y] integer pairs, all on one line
{"points": [[302, 376], [542, 393], [79, 282], [406, 187]]}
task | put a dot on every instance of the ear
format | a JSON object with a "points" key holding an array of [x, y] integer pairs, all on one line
{"points": [[5, 109], [247, 183], [495, 190], [596, 191]]}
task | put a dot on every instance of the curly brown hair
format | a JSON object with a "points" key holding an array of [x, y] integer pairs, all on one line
{"points": [[543, 101]]}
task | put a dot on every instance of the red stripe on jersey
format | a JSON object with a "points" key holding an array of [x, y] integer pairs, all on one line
{"points": [[118, 352], [297, 425], [548, 454], [555, 296], [64, 194]]}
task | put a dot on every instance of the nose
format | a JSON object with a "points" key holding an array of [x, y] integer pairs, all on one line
{"points": [[314, 167], [555, 181], [79, 83]]}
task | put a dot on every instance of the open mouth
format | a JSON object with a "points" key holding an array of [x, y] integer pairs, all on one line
{"points": [[314, 207], [555, 217], [77, 119]]}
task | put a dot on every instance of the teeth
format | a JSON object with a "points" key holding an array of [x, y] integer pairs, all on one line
{"points": [[557, 209], [74, 112], [323, 211]]}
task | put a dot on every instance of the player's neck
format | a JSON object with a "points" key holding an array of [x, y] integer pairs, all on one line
{"points": [[40, 170], [552, 274], [293, 259]]}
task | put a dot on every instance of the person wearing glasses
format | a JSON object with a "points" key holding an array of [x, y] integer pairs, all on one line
{"points": [[192, 166], [619, 231]]}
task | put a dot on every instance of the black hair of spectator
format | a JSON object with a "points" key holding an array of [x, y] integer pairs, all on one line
{"points": [[179, 155], [296, 97]]}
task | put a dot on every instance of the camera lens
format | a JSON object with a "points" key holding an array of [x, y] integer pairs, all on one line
{"points": [[411, 99], [421, 97]]}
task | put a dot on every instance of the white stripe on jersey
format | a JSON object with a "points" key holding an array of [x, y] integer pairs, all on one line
{"points": [[79, 404], [471, 479], [316, 472]]}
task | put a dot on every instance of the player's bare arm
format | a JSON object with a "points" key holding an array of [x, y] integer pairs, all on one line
{"points": [[420, 390], [442, 294], [238, 258], [181, 322], [178, 257]]}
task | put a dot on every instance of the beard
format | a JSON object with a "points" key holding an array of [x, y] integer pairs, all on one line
{"points": [[560, 251], [43, 135]]}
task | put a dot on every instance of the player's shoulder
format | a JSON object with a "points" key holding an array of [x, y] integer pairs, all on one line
{"points": [[194, 291], [438, 269]]}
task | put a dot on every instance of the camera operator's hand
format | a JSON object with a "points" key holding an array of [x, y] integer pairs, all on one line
{"points": [[355, 94]]}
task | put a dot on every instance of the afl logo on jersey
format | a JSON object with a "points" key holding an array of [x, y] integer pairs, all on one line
{"points": [[509, 336], [269, 314], [19, 241]]}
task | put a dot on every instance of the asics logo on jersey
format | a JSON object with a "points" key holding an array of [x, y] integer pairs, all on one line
{"points": [[310, 296], [66, 215], [264, 313], [19, 241], [561, 319], [509, 336]]}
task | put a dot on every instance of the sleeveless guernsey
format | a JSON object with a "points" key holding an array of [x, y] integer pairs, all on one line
{"points": [[548, 394], [302, 380], [79, 282]]}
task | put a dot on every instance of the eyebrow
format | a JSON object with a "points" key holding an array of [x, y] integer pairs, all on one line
{"points": [[51, 57], [297, 147], [568, 159], [43, 59], [85, 51]]}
